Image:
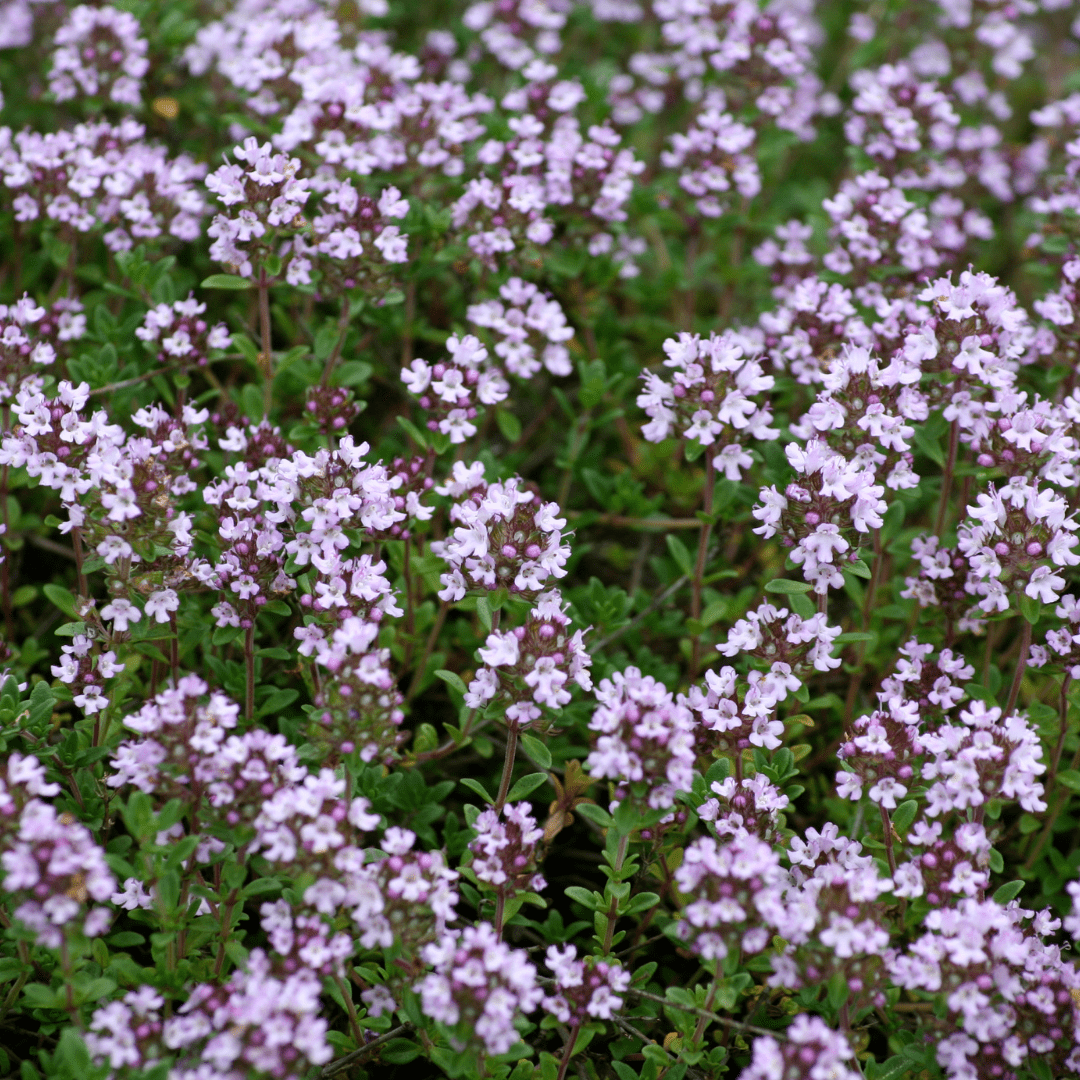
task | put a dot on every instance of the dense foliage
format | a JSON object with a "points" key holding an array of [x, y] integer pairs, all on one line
{"points": [[539, 538]]}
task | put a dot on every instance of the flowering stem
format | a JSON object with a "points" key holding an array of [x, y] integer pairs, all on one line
{"points": [[568, 1049], [871, 589], [699, 564], [613, 908], [703, 1020], [174, 649], [500, 912], [1063, 712], [947, 477], [350, 1008], [264, 331], [508, 765], [249, 669], [886, 826], [429, 645], [1021, 664], [226, 923], [80, 577], [5, 566], [343, 329]]}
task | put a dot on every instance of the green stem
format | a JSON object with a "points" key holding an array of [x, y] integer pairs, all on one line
{"points": [[429, 647], [699, 563], [947, 477], [613, 908], [249, 671], [568, 1049], [703, 1020], [508, 766], [1021, 664], [343, 329], [266, 356], [350, 1008]]}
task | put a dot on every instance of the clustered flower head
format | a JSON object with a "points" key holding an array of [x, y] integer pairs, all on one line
{"points": [[532, 666], [821, 514], [810, 1049], [505, 850], [477, 986], [507, 537], [530, 327], [1006, 989], [99, 51], [712, 398], [644, 739], [181, 334], [264, 197], [53, 870], [732, 889], [749, 806], [99, 175], [584, 989], [451, 391]]}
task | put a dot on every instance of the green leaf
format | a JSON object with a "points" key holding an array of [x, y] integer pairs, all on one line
{"points": [[277, 702], [399, 1052], [838, 990], [892, 1069], [226, 281], [904, 815], [245, 346], [785, 586], [681, 554], [62, 598], [525, 786], [585, 897], [1070, 778], [1009, 891], [483, 612], [475, 785], [536, 750], [42, 700], [1030, 607], [451, 678], [854, 635], [596, 814], [858, 568], [642, 902], [260, 886], [413, 431], [509, 425]]}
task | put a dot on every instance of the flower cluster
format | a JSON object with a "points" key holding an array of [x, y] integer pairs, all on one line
{"points": [[731, 890], [811, 1048], [644, 739], [584, 990], [53, 871], [507, 538], [832, 499], [540, 660], [103, 175], [504, 850], [530, 329], [99, 52], [451, 391], [711, 398], [180, 334], [478, 985], [264, 200]]}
